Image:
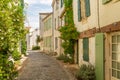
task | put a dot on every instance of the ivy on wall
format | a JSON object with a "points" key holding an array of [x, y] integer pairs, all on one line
{"points": [[69, 33], [11, 33]]}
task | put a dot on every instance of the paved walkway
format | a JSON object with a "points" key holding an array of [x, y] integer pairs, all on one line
{"points": [[42, 67]]}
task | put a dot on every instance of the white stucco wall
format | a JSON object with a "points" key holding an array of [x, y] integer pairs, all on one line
{"points": [[56, 27], [109, 13], [91, 51], [88, 23]]}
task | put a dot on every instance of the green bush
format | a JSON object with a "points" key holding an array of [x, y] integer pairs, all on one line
{"points": [[7, 69], [12, 31], [23, 46], [16, 55], [36, 48], [86, 72], [65, 58]]}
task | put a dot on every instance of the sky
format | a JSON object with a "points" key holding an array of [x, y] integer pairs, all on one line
{"points": [[33, 9]]}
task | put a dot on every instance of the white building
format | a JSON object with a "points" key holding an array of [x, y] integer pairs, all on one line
{"points": [[33, 37]]}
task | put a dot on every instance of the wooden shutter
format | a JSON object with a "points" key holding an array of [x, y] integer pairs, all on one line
{"points": [[87, 8], [105, 1], [99, 56], [86, 49], [79, 11]]}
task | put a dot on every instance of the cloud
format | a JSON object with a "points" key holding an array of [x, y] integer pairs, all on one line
{"points": [[45, 1], [38, 1], [35, 7], [31, 1]]}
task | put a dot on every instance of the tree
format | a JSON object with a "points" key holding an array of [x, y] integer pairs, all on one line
{"points": [[11, 32], [69, 33]]}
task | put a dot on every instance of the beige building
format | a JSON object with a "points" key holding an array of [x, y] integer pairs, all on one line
{"points": [[56, 24], [58, 21], [41, 27], [98, 22], [48, 33]]}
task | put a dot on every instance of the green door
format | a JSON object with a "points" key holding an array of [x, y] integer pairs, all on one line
{"points": [[99, 56]]}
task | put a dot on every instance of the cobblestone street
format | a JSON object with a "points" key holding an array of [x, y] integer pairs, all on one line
{"points": [[42, 67]]}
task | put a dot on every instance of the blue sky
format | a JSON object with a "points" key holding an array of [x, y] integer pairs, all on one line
{"points": [[34, 8]]}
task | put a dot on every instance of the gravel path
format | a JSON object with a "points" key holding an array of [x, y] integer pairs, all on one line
{"points": [[42, 67]]}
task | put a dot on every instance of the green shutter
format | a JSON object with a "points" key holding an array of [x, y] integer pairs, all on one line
{"points": [[87, 8], [86, 49], [61, 3], [99, 57], [105, 1], [79, 11]]}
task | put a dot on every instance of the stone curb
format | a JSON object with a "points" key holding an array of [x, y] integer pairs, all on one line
{"points": [[23, 63]]}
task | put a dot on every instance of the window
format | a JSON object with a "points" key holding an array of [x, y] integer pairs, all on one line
{"points": [[83, 9], [79, 10], [116, 57], [55, 23], [56, 43], [45, 42], [86, 49], [58, 21], [61, 22], [87, 8], [62, 2], [50, 22], [49, 40]]}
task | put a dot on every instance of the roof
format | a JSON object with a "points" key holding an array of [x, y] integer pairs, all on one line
{"points": [[47, 16], [44, 13]]}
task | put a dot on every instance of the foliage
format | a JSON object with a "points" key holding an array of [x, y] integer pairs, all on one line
{"points": [[16, 55], [86, 72], [36, 48], [7, 69], [68, 47], [69, 33], [65, 58], [11, 32], [38, 39], [23, 46]]}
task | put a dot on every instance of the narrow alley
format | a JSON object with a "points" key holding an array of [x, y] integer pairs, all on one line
{"points": [[42, 67]]}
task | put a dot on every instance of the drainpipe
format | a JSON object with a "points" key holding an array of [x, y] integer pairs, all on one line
{"points": [[98, 12]]}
